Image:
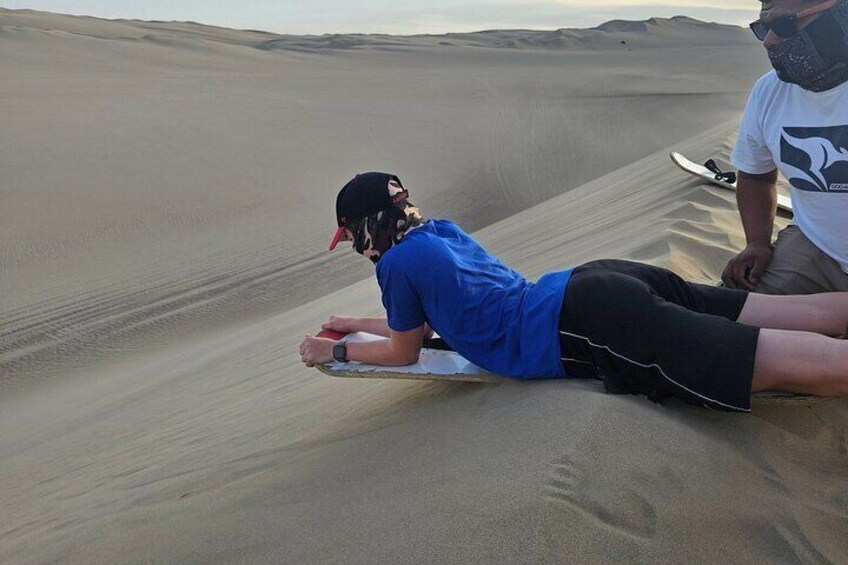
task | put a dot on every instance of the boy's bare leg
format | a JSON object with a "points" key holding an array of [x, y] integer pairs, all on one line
{"points": [[801, 362], [825, 313]]}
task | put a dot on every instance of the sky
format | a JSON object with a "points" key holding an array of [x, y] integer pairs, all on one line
{"points": [[398, 16]]}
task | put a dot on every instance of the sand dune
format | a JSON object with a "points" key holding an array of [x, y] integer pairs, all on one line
{"points": [[163, 219], [183, 185]]}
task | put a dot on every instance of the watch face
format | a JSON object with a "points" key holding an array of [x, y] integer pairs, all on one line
{"points": [[340, 352]]}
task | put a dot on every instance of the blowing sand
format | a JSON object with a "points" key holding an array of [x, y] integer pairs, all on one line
{"points": [[165, 208]]}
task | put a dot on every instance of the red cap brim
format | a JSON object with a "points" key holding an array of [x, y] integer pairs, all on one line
{"points": [[336, 238]]}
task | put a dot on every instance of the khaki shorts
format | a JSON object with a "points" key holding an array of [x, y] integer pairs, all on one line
{"points": [[799, 267]]}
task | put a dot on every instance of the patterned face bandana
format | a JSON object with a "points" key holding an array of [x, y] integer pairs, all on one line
{"points": [[377, 233], [816, 59]]}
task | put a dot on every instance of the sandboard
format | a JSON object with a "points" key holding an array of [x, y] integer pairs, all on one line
{"points": [[441, 365], [783, 202], [433, 365], [776, 397]]}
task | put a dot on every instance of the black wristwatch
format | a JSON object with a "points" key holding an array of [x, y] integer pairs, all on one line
{"points": [[340, 352]]}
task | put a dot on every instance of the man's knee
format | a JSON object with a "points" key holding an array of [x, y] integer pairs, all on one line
{"points": [[782, 282], [799, 267]]}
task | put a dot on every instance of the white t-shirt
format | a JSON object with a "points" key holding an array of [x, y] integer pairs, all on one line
{"points": [[805, 135]]}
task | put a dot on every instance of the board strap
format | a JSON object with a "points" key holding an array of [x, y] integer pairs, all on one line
{"points": [[719, 174]]}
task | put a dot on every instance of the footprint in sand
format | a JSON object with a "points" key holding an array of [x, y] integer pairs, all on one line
{"points": [[597, 499]]}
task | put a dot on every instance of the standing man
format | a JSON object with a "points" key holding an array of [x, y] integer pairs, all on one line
{"points": [[796, 121]]}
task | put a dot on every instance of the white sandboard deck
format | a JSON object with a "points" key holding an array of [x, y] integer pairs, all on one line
{"points": [[433, 364], [783, 202], [437, 365]]}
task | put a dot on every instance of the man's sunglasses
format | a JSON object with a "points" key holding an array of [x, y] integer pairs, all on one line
{"points": [[787, 26]]}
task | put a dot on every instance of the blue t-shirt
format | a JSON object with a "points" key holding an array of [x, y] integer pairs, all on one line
{"points": [[483, 309]]}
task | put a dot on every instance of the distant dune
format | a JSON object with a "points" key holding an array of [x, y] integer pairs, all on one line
{"points": [[655, 32]]}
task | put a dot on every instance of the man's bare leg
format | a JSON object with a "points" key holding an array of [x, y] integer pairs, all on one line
{"points": [[826, 313], [801, 363]]}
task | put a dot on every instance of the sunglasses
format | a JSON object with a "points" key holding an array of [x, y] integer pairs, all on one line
{"points": [[786, 26]]}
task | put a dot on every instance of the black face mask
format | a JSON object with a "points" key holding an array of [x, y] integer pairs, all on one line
{"points": [[817, 58]]}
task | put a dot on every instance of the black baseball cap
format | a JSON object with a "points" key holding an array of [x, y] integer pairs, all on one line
{"points": [[366, 194]]}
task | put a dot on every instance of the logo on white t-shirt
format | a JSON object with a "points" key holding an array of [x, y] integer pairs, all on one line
{"points": [[816, 157]]}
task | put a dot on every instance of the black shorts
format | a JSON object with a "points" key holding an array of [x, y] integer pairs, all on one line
{"points": [[644, 330]]}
